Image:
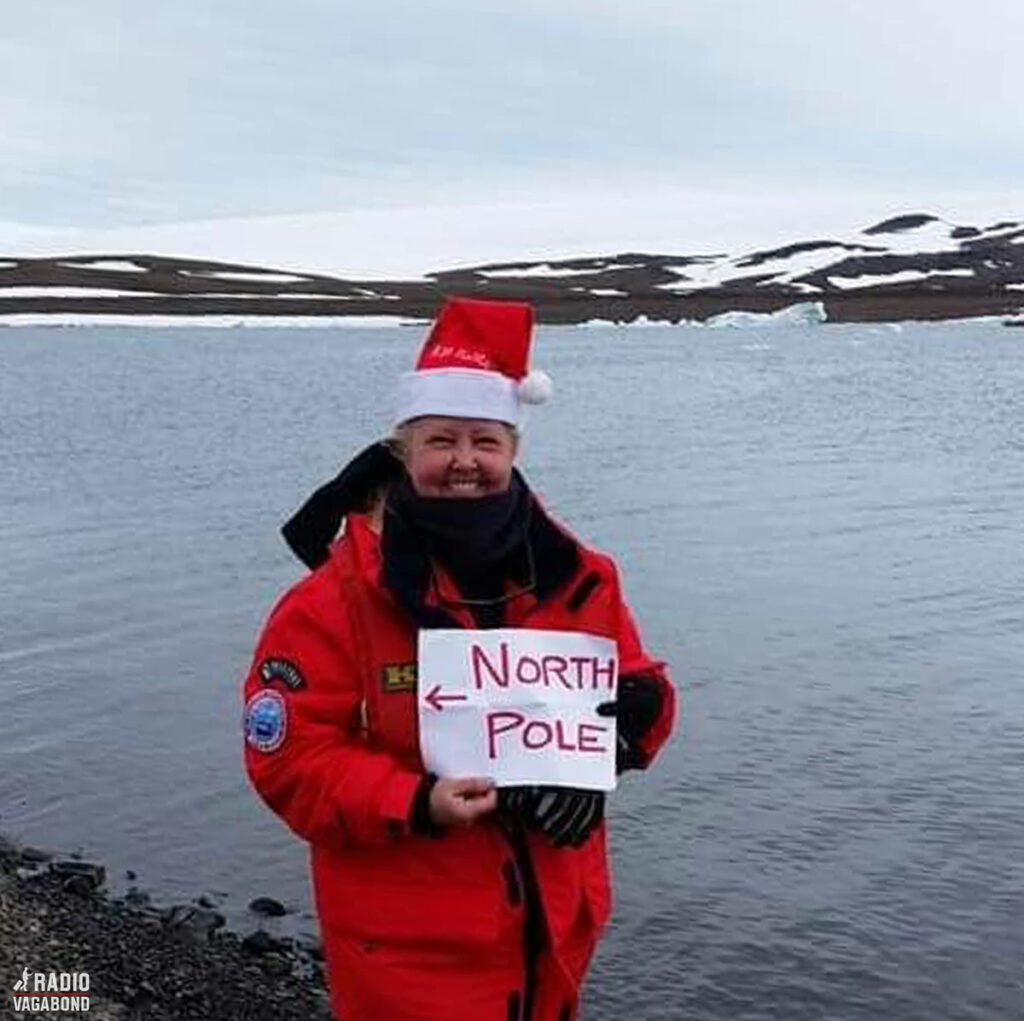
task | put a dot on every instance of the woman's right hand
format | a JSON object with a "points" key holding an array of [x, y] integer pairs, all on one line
{"points": [[460, 802]]}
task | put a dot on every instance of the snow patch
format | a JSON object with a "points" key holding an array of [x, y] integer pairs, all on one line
{"points": [[785, 270], [545, 269], [221, 321], [74, 292], [902, 276], [285, 296], [102, 292], [270, 278], [870, 279], [120, 265]]}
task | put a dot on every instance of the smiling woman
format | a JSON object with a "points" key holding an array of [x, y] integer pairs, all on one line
{"points": [[457, 457], [445, 898]]}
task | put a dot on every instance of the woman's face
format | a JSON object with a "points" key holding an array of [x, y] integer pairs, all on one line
{"points": [[458, 458]]}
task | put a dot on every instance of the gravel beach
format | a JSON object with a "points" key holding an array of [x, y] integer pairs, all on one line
{"points": [[144, 963]]}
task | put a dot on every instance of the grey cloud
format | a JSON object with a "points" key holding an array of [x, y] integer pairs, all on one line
{"points": [[122, 111]]}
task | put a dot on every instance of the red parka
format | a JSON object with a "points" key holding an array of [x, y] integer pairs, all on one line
{"points": [[418, 928]]}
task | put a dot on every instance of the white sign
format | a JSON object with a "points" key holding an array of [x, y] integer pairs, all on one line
{"points": [[518, 705]]}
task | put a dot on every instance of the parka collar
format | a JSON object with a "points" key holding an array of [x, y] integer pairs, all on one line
{"points": [[556, 556]]}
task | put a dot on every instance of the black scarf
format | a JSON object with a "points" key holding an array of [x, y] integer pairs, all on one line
{"points": [[480, 541]]}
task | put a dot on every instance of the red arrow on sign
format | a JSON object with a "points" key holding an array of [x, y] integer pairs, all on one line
{"points": [[436, 700]]}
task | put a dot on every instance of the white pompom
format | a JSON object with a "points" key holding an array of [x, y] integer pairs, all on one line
{"points": [[535, 387]]}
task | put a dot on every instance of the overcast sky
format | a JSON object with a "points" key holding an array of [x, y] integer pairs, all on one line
{"points": [[122, 112]]}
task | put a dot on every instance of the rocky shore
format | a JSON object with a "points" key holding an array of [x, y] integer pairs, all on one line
{"points": [[146, 963]]}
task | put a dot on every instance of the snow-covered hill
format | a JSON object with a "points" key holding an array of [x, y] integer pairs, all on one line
{"points": [[914, 266]]}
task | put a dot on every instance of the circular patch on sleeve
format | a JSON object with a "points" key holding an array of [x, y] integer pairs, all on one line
{"points": [[266, 721]]}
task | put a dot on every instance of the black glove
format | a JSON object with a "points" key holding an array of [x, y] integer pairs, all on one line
{"points": [[637, 706], [517, 804], [566, 815]]}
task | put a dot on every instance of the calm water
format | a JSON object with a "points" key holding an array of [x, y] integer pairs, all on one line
{"points": [[820, 529]]}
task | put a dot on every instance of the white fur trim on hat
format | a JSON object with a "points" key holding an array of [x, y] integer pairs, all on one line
{"points": [[460, 393]]}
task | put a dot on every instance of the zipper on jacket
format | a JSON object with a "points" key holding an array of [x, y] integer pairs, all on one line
{"points": [[512, 888]]}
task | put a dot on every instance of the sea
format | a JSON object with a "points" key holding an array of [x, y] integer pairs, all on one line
{"points": [[819, 528]]}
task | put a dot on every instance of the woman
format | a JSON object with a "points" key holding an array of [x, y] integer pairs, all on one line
{"points": [[440, 898]]}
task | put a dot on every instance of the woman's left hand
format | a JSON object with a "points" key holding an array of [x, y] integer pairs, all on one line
{"points": [[566, 815], [461, 801]]}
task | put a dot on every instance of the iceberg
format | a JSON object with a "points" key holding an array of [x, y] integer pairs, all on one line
{"points": [[807, 313]]}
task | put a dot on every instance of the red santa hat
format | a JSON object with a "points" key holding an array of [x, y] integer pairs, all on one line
{"points": [[474, 364]]}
